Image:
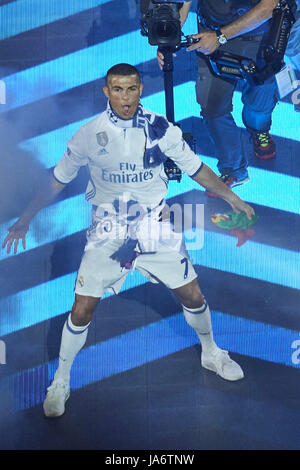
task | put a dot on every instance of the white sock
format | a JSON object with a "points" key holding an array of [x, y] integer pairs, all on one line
{"points": [[72, 340], [199, 319]]}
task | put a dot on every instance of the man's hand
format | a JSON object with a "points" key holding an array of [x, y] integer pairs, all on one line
{"points": [[48, 190], [240, 206], [16, 233], [209, 180], [183, 12], [208, 42], [160, 59]]}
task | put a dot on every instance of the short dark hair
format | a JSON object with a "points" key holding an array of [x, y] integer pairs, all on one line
{"points": [[122, 69]]}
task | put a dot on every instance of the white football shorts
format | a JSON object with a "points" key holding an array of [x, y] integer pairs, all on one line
{"points": [[99, 273]]}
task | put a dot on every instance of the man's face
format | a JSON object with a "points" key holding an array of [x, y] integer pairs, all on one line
{"points": [[124, 94]]}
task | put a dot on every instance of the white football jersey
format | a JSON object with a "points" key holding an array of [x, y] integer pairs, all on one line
{"points": [[114, 157]]}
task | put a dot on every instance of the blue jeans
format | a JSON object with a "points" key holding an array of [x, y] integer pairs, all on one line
{"points": [[214, 94]]}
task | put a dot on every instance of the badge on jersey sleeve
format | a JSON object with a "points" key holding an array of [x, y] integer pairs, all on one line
{"points": [[102, 138]]}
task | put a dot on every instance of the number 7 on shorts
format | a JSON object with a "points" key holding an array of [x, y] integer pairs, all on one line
{"points": [[185, 261]]}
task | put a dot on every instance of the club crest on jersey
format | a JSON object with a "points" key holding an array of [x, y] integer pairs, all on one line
{"points": [[80, 281], [102, 138]]}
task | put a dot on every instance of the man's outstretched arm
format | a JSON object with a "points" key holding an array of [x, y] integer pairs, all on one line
{"points": [[247, 22], [184, 11], [251, 19], [209, 180], [47, 191]]}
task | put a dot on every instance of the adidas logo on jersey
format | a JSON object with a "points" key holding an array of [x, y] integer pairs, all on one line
{"points": [[102, 152]]}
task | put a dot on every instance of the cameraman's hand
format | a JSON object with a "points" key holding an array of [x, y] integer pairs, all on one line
{"points": [[207, 44], [16, 233], [160, 59]]}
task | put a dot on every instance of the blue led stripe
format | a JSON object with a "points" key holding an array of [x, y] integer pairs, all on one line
{"points": [[45, 301], [23, 15], [274, 191], [285, 122], [256, 339], [53, 222], [156, 340], [265, 188], [75, 69], [48, 148], [253, 259], [37, 304]]}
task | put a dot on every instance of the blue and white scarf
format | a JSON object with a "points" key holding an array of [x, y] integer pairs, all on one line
{"points": [[155, 127]]}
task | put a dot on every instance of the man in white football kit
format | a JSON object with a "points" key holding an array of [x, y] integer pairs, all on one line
{"points": [[124, 149]]}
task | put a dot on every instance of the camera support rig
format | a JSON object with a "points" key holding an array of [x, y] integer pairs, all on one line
{"points": [[229, 65], [160, 22], [172, 171]]}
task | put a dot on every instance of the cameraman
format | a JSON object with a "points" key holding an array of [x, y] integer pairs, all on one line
{"points": [[239, 27]]}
